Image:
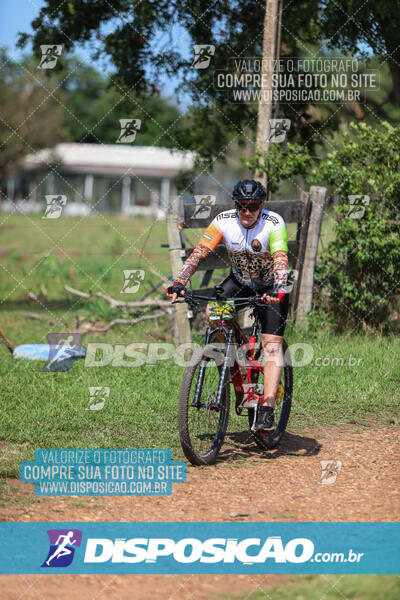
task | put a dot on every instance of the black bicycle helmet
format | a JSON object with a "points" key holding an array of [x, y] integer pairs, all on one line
{"points": [[248, 189]]}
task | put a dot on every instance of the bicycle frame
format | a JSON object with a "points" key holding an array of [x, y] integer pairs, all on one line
{"points": [[250, 398], [232, 330]]}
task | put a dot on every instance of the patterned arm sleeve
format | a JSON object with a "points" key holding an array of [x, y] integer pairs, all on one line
{"points": [[279, 251], [210, 240], [280, 268]]}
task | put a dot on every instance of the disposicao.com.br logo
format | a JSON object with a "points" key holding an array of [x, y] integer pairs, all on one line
{"points": [[172, 554], [248, 551]]}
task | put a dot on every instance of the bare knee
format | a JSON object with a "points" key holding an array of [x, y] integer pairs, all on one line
{"points": [[272, 346]]}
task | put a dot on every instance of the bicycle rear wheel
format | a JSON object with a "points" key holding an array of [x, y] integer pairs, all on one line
{"points": [[282, 405], [202, 428]]}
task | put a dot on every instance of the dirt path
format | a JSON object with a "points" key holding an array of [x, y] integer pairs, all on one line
{"points": [[247, 485]]}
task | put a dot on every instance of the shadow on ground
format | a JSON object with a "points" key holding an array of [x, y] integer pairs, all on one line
{"points": [[241, 444]]}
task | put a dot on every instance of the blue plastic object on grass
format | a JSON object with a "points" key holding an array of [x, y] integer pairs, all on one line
{"points": [[42, 351]]}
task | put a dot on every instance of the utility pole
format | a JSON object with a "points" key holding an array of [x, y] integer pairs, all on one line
{"points": [[270, 54], [181, 322]]}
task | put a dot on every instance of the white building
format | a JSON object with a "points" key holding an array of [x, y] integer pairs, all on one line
{"points": [[99, 178]]}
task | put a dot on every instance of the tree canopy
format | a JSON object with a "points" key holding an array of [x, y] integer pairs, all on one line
{"points": [[133, 46], [138, 38], [74, 104], [93, 108], [357, 26], [31, 117]]}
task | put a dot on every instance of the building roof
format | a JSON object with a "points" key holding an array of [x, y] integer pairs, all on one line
{"points": [[112, 157]]}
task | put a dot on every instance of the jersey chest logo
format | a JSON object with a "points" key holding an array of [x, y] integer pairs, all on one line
{"points": [[271, 218], [256, 245]]}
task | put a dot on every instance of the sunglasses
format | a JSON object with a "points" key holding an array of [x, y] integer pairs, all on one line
{"points": [[251, 206]]}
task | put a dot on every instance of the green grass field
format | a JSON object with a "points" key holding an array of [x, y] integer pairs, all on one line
{"points": [[48, 410], [87, 254], [332, 587]]}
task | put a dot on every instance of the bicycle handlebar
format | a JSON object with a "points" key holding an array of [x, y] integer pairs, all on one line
{"points": [[191, 298]]}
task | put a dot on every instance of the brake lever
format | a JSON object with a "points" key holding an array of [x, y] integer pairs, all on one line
{"points": [[189, 301]]}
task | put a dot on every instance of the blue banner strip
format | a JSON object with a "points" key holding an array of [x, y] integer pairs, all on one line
{"points": [[207, 548]]}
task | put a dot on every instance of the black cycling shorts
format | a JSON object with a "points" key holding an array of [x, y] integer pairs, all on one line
{"points": [[272, 317]]}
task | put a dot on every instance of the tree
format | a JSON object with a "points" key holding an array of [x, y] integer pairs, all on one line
{"points": [[357, 276], [281, 163], [93, 108], [30, 117], [232, 27], [354, 24], [357, 282], [142, 45]]}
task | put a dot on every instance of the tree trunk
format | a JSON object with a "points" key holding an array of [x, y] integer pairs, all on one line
{"points": [[271, 43], [395, 71], [3, 179]]}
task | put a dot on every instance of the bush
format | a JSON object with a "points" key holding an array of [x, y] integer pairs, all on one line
{"points": [[280, 163], [358, 274]]}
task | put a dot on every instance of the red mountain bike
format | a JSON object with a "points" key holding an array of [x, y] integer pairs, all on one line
{"points": [[205, 392]]}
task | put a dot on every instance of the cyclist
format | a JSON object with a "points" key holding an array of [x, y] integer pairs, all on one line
{"points": [[256, 241]]}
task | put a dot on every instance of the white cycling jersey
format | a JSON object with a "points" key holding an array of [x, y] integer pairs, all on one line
{"points": [[259, 252], [250, 250]]}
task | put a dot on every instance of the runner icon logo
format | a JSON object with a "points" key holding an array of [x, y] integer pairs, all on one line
{"points": [[62, 547], [55, 205], [202, 55], [133, 279], [329, 471], [129, 129], [357, 206], [50, 54], [204, 202], [98, 397], [64, 350], [278, 129]]}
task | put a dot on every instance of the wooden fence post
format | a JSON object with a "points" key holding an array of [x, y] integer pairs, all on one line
{"points": [[181, 322], [305, 292], [301, 238]]}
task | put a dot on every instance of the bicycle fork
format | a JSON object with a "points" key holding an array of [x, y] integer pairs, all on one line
{"points": [[225, 370]]}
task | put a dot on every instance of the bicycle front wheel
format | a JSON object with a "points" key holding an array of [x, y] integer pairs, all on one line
{"points": [[202, 426]]}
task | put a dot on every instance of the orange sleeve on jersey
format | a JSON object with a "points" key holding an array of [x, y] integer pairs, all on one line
{"points": [[211, 237], [210, 240]]}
